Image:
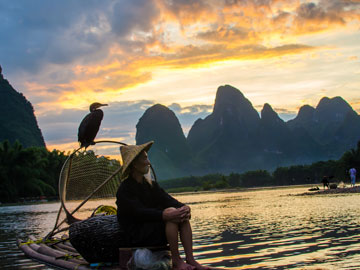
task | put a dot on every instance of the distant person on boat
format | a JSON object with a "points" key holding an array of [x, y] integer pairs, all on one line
{"points": [[149, 215], [325, 181], [352, 173]]}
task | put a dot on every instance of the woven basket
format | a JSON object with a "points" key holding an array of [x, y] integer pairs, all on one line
{"points": [[98, 238]]}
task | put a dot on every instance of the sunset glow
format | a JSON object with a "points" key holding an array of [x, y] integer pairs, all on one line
{"points": [[133, 54]]}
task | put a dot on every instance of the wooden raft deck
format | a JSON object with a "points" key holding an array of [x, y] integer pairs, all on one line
{"points": [[59, 254]]}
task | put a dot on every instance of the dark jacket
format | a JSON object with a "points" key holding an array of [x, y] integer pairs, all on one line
{"points": [[140, 207], [141, 202]]}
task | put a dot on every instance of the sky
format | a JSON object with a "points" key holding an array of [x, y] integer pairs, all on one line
{"points": [[132, 54]]}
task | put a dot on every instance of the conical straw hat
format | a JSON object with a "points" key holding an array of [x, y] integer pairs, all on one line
{"points": [[129, 153]]}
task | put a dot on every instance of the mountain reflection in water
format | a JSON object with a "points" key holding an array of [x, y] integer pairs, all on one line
{"points": [[259, 229]]}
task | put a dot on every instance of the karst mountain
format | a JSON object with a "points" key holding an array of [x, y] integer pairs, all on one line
{"points": [[236, 138], [17, 118]]}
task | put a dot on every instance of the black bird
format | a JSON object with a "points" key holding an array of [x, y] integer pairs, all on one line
{"points": [[90, 125]]}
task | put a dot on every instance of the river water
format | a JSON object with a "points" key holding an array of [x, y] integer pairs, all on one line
{"points": [[254, 229]]}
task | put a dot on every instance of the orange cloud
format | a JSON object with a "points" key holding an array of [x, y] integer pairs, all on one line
{"points": [[229, 35], [311, 18], [353, 58], [188, 34], [187, 12], [107, 82]]}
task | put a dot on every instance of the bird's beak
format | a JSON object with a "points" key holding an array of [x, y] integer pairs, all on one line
{"points": [[103, 105]]}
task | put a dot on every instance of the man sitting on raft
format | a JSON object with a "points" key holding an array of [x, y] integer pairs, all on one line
{"points": [[149, 215]]}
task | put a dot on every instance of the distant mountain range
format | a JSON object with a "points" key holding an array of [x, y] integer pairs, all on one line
{"points": [[17, 118], [235, 138]]}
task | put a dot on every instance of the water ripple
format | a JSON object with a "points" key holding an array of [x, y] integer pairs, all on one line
{"points": [[263, 229]]}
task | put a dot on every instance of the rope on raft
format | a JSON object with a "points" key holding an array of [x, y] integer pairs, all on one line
{"points": [[67, 257], [43, 241]]}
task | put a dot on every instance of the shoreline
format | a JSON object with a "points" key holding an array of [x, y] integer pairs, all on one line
{"points": [[28, 203], [345, 190], [230, 190]]}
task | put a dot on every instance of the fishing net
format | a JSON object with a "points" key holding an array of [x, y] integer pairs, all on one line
{"points": [[87, 180]]}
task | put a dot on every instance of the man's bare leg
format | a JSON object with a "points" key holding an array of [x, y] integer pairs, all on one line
{"points": [[186, 240], [172, 235]]}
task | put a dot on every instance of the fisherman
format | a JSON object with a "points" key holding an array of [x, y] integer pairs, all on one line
{"points": [[149, 215]]}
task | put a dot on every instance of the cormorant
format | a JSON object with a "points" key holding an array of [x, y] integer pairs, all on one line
{"points": [[90, 125]]}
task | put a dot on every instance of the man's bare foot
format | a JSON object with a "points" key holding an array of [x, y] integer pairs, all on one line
{"points": [[197, 265], [181, 265]]}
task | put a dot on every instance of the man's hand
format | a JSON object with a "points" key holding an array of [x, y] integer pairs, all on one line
{"points": [[172, 214], [177, 215], [185, 212]]}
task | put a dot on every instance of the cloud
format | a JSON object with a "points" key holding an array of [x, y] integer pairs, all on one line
{"points": [[224, 34], [313, 18], [196, 109], [284, 110], [64, 55], [39, 33], [175, 107], [127, 16], [187, 11], [316, 13], [69, 33], [187, 115], [204, 55], [282, 18]]}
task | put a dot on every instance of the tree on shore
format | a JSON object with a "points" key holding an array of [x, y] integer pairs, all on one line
{"points": [[34, 171], [351, 159], [292, 175], [28, 172]]}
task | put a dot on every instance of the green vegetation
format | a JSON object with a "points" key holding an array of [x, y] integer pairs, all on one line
{"points": [[34, 172], [293, 175], [28, 172], [183, 189]]}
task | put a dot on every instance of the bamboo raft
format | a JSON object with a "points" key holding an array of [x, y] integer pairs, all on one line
{"points": [[96, 242], [61, 255]]}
